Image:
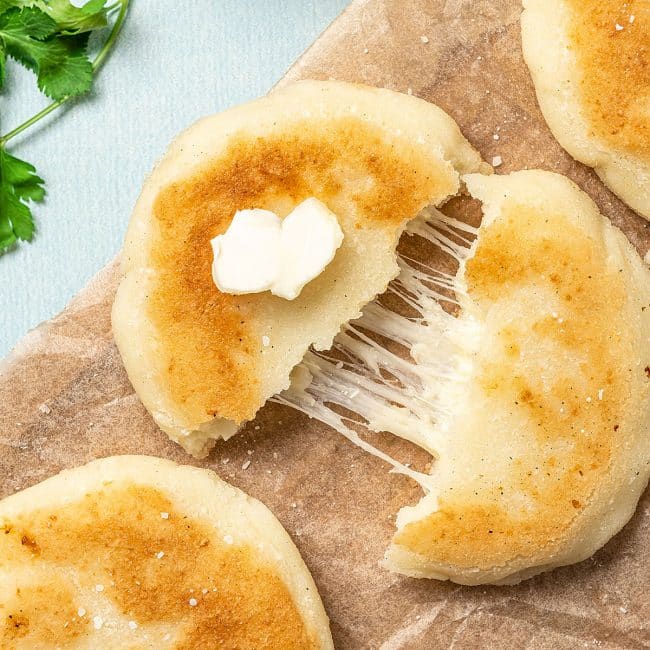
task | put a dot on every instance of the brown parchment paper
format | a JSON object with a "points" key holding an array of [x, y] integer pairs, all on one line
{"points": [[66, 398]]}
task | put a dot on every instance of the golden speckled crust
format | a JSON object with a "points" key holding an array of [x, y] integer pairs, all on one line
{"points": [[526, 249], [40, 614], [212, 353], [160, 571], [546, 452], [614, 68]]}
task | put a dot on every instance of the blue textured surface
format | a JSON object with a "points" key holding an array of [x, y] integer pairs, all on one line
{"points": [[170, 67]]}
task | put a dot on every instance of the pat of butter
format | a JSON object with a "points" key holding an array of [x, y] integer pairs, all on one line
{"points": [[261, 252]]}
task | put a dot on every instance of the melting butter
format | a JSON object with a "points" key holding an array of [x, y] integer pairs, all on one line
{"points": [[261, 252]]}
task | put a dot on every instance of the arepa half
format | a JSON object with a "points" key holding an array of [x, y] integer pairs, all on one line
{"points": [[533, 396], [196, 356]]}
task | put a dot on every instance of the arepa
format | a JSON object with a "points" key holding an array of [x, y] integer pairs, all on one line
{"points": [[138, 552], [589, 60]]}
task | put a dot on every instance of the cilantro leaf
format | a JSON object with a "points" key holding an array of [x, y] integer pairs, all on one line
{"points": [[50, 38], [70, 77], [19, 184], [69, 18], [60, 62], [76, 20], [20, 43]]}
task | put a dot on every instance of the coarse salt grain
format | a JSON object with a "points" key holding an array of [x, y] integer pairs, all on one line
{"points": [[225, 461], [496, 136], [601, 392], [246, 465], [99, 588], [81, 612], [589, 399], [496, 161], [167, 637], [164, 515], [618, 27], [632, 18], [204, 591], [44, 408], [193, 602], [228, 539], [424, 39], [98, 621], [266, 341], [249, 452], [409, 91], [160, 554], [133, 625]]}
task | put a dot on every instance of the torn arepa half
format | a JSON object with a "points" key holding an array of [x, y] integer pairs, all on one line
{"points": [[203, 362], [138, 552], [532, 396]]}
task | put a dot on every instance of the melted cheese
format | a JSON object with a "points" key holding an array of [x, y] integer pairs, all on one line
{"points": [[401, 370]]}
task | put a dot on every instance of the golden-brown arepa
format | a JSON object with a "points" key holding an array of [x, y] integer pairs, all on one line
{"points": [[590, 63], [544, 450], [138, 552], [203, 362]]}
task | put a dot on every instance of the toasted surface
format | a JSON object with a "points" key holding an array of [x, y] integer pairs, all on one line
{"points": [[195, 355], [590, 62], [137, 552], [547, 450]]}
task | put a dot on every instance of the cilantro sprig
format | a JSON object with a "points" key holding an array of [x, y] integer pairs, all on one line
{"points": [[50, 38]]}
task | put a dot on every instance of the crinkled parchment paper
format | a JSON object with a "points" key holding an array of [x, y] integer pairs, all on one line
{"points": [[66, 398]]}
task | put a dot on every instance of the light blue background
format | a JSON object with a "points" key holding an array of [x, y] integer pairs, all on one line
{"points": [[174, 62]]}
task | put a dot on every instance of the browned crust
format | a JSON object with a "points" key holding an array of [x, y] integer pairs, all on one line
{"points": [[208, 338], [579, 431], [111, 538], [614, 67]]}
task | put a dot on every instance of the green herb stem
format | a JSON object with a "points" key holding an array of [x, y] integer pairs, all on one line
{"points": [[97, 63]]}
